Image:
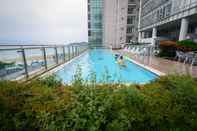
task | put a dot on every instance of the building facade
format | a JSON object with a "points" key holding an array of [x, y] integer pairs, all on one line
{"points": [[95, 22], [167, 20], [112, 23], [132, 20], [115, 22]]}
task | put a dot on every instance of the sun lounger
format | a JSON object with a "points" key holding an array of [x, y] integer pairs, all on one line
{"points": [[180, 56]]}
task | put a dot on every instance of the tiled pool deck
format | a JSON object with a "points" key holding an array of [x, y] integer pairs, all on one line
{"points": [[164, 65]]}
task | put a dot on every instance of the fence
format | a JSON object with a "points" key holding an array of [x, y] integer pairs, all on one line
{"points": [[27, 61]]}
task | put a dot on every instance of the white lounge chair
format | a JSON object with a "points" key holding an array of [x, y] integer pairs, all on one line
{"points": [[194, 60], [180, 56], [189, 57]]}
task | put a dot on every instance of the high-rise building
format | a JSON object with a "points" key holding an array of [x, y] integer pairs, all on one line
{"points": [[95, 22], [168, 20], [112, 23], [115, 22], [132, 20]]}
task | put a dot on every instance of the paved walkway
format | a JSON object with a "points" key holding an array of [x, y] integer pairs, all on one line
{"points": [[163, 65]]}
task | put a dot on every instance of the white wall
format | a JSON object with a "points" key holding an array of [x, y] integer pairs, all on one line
{"points": [[115, 22]]}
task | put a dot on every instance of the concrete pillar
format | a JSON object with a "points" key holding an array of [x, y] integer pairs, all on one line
{"points": [[139, 22], [184, 29], [139, 36], [142, 35], [154, 35]]}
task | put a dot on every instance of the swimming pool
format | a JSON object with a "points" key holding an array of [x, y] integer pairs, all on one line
{"points": [[104, 65]]}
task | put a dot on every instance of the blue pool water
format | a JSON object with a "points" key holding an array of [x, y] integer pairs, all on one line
{"points": [[104, 65]]}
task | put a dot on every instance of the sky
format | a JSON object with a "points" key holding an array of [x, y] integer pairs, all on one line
{"points": [[43, 21]]}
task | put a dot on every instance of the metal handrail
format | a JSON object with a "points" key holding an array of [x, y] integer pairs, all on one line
{"points": [[73, 50]]}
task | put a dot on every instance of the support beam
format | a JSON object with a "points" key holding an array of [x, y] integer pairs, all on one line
{"points": [[184, 29]]}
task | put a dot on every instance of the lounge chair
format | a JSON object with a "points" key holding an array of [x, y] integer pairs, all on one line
{"points": [[194, 60], [180, 56], [189, 57]]}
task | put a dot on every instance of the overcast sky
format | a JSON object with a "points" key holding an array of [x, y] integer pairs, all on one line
{"points": [[51, 21]]}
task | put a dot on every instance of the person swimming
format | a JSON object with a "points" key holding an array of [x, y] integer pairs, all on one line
{"points": [[117, 56], [121, 61]]}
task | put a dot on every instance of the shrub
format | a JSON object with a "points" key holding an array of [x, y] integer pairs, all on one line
{"points": [[187, 44], [169, 48], [169, 103], [51, 81]]}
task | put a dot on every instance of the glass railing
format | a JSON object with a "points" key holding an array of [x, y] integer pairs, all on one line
{"points": [[25, 62]]}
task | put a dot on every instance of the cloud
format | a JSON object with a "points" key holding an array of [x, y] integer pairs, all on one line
{"points": [[43, 20]]}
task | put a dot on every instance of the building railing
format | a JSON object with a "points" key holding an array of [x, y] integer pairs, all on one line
{"points": [[23, 62]]}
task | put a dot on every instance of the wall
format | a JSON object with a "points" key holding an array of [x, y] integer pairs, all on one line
{"points": [[115, 22]]}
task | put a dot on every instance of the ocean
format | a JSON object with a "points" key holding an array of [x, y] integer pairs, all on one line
{"points": [[16, 56]]}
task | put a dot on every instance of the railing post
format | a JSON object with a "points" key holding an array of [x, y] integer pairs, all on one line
{"points": [[69, 52], [64, 53], [45, 57], [25, 63], [78, 49], [73, 53], [75, 50], [56, 54]]}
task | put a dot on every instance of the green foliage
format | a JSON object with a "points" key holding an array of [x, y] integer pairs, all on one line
{"points": [[167, 104], [51, 81], [188, 44], [78, 80], [169, 48]]}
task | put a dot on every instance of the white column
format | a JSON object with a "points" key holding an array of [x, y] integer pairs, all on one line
{"points": [[154, 35], [184, 29], [139, 36], [139, 22], [142, 35]]}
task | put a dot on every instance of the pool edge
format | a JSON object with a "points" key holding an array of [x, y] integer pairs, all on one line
{"points": [[157, 72]]}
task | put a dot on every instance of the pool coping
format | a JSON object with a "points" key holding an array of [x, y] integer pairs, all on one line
{"points": [[146, 67]]}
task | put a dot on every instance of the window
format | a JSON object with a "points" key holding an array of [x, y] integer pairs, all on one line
{"points": [[130, 29], [131, 10], [131, 1], [89, 16], [130, 20], [89, 8], [89, 25], [89, 33], [129, 38]]}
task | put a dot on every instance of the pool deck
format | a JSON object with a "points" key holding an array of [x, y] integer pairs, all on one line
{"points": [[163, 65]]}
